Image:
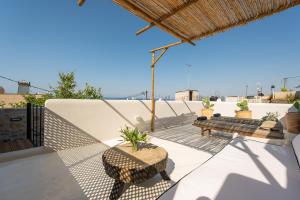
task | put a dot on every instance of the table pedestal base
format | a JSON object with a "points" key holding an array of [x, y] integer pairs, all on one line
{"points": [[119, 186]]}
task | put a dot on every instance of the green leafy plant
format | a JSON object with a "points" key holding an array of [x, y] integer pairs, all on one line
{"points": [[290, 98], [2, 104], [243, 105], [134, 136], [283, 89], [21, 104], [270, 116], [37, 99], [296, 104], [67, 89], [206, 103]]}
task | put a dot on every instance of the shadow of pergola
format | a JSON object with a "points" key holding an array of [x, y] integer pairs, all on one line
{"points": [[190, 136], [85, 165]]}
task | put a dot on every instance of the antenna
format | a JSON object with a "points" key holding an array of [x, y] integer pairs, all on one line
{"points": [[189, 76], [286, 78]]}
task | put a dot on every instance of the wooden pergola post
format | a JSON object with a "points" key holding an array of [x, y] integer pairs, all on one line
{"points": [[152, 90], [154, 60]]}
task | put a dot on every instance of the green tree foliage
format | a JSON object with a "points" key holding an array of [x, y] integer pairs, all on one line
{"points": [[21, 104], [66, 89], [2, 104], [37, 100], [66, 86], [89, 92]]}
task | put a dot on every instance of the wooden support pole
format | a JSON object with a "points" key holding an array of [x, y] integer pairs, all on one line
{"points": [[80, 2], [167, 46], [152, 95], [160, 55], [142, 30]]}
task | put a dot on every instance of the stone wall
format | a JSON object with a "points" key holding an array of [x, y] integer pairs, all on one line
{"points": [[13, 124]]}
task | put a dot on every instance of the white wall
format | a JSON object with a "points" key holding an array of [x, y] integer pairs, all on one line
{"points": [[103, 119]]}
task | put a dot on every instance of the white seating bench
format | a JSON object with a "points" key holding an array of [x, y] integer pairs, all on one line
{"points": [[244, 169]]}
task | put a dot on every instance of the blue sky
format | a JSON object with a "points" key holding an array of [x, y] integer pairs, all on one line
{"points": [[38, 39]]}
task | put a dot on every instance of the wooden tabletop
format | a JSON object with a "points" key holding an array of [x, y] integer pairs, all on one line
{"points": [[126, 165]]}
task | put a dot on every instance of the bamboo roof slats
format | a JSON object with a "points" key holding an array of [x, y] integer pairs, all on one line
{"points": [[190, 20]]}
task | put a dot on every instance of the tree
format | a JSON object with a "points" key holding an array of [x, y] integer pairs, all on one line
{"points": [[66, 89], [89, 92], [37, 99], [66, 86]]}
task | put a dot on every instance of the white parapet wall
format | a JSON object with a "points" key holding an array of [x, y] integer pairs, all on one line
{"points": [[103, 119]]}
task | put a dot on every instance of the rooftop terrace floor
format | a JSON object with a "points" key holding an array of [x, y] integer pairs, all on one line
{"points": [[78, 173]]}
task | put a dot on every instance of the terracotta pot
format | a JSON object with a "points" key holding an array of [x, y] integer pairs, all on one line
{"points": [[292, 120], [207, 112], [243, 114]]}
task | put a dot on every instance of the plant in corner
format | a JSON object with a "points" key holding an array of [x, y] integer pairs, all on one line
{"points": [[292, 118], [283, 89], [270, 116], [207, 110], [244, 111], [133, 136], [2, 104]]}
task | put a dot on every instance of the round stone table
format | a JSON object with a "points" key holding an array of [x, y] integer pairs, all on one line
{"points": [[127, 166]]}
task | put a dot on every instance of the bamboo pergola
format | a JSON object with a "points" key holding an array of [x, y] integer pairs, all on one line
{"points": [[191, 20]]}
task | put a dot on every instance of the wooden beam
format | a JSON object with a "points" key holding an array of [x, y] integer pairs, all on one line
{"points": [[160, 55], [80, 2], [142, 30], [166, 16], [167, 46], [158, 24]]}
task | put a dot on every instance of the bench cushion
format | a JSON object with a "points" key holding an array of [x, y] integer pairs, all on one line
{"points": [[244, 169], [296, 146], [238, 120], [247, 127]]}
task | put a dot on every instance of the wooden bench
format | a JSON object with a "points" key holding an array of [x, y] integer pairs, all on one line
{"points": [[246, 127]]}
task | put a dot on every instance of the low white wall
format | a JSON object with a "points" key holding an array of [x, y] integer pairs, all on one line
{"points": [[103, 119]]}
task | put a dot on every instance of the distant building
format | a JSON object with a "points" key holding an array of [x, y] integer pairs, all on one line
{"points": [[187, 95], [250, 99], [9, 99], [23, 87]]}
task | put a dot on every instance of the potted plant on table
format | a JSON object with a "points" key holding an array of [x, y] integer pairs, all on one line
{"points": [[244, 111], [270, 121], [292, 119], [133, 136], [270, 116], [207, 111]]}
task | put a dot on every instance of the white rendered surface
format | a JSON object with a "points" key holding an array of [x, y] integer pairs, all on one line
{"points": [[245, 170]]}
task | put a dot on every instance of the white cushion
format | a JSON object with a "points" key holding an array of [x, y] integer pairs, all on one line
{"points": [[245, 170], [296, 146]]}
